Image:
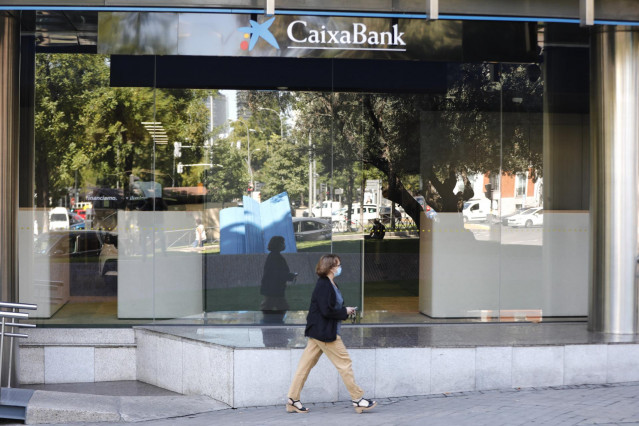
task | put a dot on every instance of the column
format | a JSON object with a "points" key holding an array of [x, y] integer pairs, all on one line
{"points": [[9, 134], [614, 192], [26, 164]]}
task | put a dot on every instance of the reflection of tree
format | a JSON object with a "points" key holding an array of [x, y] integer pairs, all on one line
{"points": [[227, 181], [285, 170], [63, 86], [443, 138], [89, 130], [280, 163], [352, 131], [462, 130]]}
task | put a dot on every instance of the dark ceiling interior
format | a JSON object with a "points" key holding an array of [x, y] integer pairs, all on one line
{"points": [[61, 30]]}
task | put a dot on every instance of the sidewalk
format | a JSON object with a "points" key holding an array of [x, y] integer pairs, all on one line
{"points": [[571, 405]]}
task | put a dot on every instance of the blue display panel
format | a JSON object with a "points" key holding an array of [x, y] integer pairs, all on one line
{"points": [[248, 229], [232, 231], [253, 238], [277, 220]]}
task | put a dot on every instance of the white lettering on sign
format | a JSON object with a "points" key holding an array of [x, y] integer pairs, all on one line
{"points": [[101, 198], [341, 39]]}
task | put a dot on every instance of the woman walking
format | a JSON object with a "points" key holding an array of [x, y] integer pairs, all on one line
{"points": [[323, 325]]}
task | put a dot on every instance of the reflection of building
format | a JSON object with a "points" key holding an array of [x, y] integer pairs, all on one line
{"points": [[509, 193], [243, 110], [219, 114]]}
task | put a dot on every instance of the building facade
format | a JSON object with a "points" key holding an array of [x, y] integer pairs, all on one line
{"points": [[112, 113]]}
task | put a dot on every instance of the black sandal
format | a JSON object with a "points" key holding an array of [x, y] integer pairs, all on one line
{"points": [[293, 406], [363, 404]]}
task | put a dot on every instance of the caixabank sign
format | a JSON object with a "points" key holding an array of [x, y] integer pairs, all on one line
{"points": [[145, 33], [300, 36]]}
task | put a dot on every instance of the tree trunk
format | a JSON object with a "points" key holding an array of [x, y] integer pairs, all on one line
{"points": [[399, 194], [442, 193], [349, 197]]}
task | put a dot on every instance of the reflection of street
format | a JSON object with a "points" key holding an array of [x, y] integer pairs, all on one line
{"points": [[506, 234]]}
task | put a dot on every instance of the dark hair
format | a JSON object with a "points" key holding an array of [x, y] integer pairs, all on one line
{"points": [[277, 244], [326, 263], [198, 221]]}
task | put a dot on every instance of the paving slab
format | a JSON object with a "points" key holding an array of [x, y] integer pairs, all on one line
{"points": [[64, 407], [143, 408], [616, 404]]}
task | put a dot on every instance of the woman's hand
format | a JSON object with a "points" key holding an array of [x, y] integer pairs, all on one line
{"points": [[350, 310]]}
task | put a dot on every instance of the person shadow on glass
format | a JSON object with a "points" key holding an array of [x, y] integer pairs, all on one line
{"points": [[273, 288]]}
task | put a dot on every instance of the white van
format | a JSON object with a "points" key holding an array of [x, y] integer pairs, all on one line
{"points": [[326, 208], [58, 219], [369, 210], [476, 210]]}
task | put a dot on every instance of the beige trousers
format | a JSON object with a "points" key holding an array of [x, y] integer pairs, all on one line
{"points": [[337, 353]]}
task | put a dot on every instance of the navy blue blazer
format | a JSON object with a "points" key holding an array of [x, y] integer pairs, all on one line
{"points": [[322, 318]]}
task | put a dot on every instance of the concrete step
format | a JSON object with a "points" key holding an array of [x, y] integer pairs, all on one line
{"points": [[52, 407]]}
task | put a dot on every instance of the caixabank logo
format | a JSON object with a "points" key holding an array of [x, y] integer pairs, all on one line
{"points": [[257, 31], [304, 35]]}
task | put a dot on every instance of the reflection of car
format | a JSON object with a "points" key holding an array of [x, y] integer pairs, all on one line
{"points": [[528, 218], [476, 210], [385, 214], [108, 260], [369, 212], [58, 219], [325, 208], [81, 213], [504, 218], [431, 213], [74, 244], [82, 246], [311, 229], [76, 221], [338, 215]]}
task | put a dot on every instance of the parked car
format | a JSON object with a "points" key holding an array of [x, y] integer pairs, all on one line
{"points": [[325, 208], [504, 218], [431, 213], [528, 218], [77, 245], [385, 214], [369, 212], [81, 246], [311, 229], [58, 219], [108, 259], [76, 221], [476, 210], [338, 215]]}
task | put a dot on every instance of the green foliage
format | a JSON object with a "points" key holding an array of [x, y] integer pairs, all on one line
{"points": [[228, 179], [89, 130], [285, 170], [64, 85]]}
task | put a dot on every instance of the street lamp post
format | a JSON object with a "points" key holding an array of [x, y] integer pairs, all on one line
{"points": [[248, 151]]}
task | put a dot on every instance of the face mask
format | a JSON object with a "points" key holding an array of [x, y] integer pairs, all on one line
{"points": [[339, 271]]}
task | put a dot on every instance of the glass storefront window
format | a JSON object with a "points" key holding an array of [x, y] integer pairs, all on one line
{"points": [[213, 205]]}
